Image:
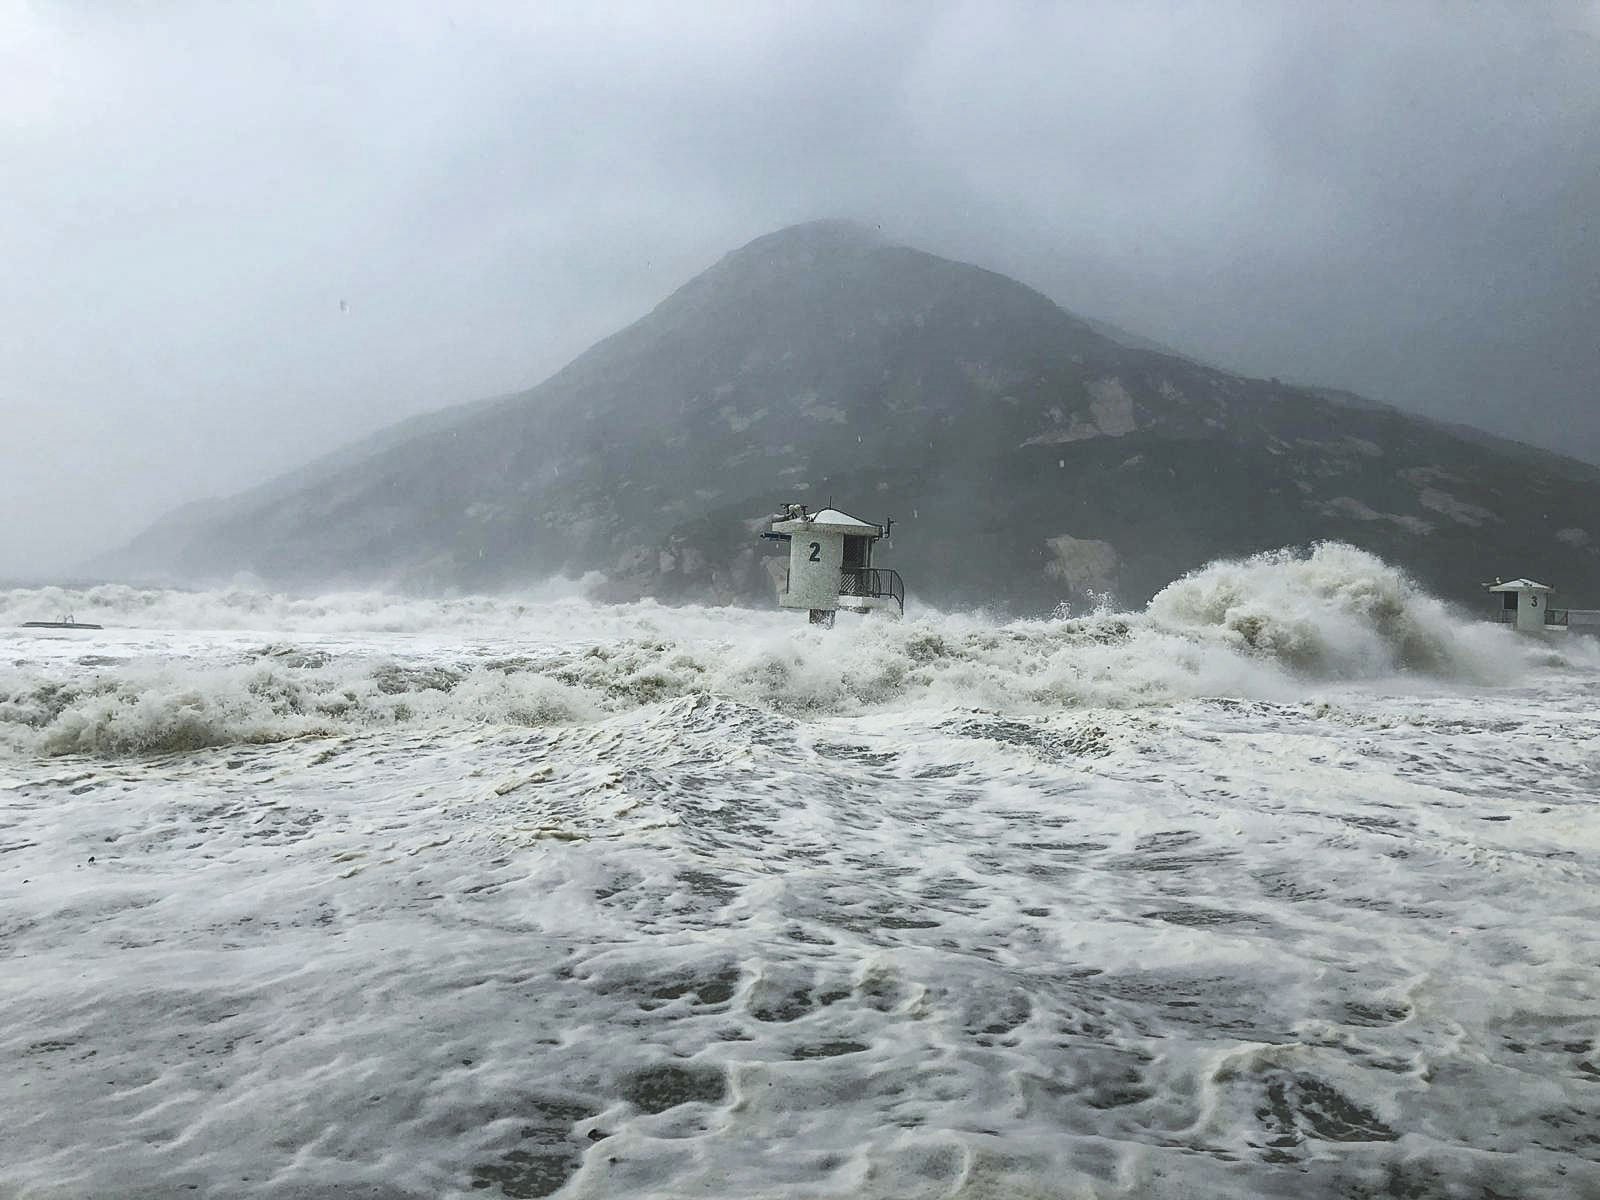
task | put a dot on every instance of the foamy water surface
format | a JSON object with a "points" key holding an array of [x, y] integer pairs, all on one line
{"points": [[1283, 887]]}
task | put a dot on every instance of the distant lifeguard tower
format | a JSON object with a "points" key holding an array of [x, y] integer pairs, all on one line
{"points": [[830, 564], [1529, 607]]}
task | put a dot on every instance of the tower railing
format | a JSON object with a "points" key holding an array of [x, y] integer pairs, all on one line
{"points": [[873, 582]]}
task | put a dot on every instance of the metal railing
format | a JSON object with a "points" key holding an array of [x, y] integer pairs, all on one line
{"points": [[873, 581], [1552, 616]]}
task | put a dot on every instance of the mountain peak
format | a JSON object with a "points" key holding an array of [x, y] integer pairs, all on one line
{"points": [[827, 232], [807, 244]]}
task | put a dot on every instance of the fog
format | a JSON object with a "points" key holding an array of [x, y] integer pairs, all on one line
{"points": [[232, 237]]}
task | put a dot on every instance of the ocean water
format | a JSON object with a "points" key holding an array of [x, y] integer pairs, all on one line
{"points": [[1285, 886]]}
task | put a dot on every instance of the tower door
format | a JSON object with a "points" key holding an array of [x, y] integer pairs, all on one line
{"points": [[857, 553]]}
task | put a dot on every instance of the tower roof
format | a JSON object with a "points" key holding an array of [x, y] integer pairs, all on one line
{"points": [[1520, 585], [830, 520], [832, 516]]}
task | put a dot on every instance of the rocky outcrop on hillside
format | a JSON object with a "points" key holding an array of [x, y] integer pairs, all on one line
{"points": [[1028, 457]]}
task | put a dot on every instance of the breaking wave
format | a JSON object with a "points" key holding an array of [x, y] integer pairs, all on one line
{"points": [[1335, 611], [152, 709], [1263, 628]]}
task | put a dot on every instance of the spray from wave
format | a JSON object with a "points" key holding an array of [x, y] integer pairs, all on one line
{"points": [[115, 604], [1266, 628], [1336, 612]]}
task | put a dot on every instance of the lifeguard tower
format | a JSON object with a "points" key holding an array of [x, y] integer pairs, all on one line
{"points": [[830, 564], [1529, 608], [1524, 604]]}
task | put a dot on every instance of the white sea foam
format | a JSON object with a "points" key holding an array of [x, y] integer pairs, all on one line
{"points": [[1268, 628], [154, 708], [1284, 887]]}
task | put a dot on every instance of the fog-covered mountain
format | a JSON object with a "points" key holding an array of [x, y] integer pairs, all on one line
{"points": [[1028, 457]]}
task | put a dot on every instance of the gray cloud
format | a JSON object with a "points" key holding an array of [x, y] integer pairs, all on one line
{"points": [[1394, 198]]}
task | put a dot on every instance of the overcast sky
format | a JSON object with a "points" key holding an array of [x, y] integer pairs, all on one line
{"points": [[235, 235]]}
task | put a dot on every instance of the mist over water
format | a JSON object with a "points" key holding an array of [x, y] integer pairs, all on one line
{"points": [[1282, 887]]}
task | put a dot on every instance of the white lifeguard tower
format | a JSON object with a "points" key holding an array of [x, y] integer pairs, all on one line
{"points": [[1525, 605], [830, 564], [1529, 607]]}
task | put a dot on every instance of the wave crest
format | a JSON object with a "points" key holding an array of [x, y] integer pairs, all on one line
{"points": [[1334, 611], [166, 709]]}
